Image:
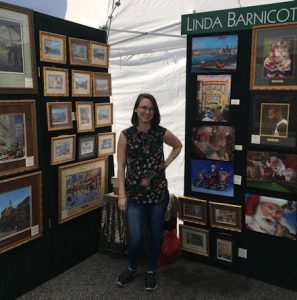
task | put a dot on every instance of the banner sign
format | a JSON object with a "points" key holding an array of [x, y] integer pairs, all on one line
{"points": [[239, 18]]}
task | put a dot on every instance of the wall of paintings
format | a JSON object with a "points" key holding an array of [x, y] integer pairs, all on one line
{"points": [[56, 145], [241, 158]]}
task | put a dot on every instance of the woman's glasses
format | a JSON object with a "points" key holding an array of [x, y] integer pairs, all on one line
{"points": [[146, 108]]}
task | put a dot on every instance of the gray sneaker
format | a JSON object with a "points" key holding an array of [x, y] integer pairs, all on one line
{"points": [[150, 282], [125, 277]]}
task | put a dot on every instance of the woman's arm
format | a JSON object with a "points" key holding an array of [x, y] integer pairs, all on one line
{"points": [[121, 158], [171, 140]]}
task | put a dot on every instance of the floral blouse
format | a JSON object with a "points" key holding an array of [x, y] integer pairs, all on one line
{"points": [[145, 175]]}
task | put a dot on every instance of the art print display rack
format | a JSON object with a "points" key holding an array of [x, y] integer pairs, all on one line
{"points": [[239, 205]]}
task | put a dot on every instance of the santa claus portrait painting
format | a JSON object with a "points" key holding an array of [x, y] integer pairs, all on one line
{"points": [[271, 215]]}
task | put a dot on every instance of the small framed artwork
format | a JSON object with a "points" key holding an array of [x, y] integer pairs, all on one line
{"points": [[273, 120], [214, 53], [106, 143], [20, 205], [213, 98], [62, 149], [224, 247], [18, 142], [99, 54], [225, 216], [103, 114], [193, 210], [269, 215], [52, 47], [17, 50], [273, 61], [194, 239], [213, 142], [55, 82], [82, 186], [81, 83], [101, 84], [86, 147], [272, 171], [85, 116], [59, 115], [79, 51], [212, 177]]}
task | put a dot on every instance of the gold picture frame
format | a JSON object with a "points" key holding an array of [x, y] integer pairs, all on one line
{"points": [[101, 84], [85, 116], [79, 51], [52, 47], [106, 143], [55, 82], [81, 83], [59, 115], [99, 54], [103, 114], [63, 149]]}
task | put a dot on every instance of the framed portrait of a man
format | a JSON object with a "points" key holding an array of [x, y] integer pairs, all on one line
{"points": [[273, 120], [270, 215]]}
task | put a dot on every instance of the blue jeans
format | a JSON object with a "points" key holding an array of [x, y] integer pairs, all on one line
{"points": [[137, 215]]}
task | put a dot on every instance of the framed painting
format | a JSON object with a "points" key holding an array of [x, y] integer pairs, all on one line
{"points": [[193, 210], [269, 215], [214, 53], [85, 116], [59, 115], [213, 142], [273, 120], [272, 171], [212, 177], [86, 147], [225, 216], [78, 51], [99, 54], [103, 114], [106, 143], [17, 50], [213, 98], [55, 82], [273, 61], [101, 84], [62, 149], [224, 249], [21, 211], [18, 137], [82, 186], [52, 47], [194, 239], [81, 83]]}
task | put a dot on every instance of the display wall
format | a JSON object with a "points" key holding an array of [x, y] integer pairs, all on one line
{"points": [[239, 208], [56, 146]]}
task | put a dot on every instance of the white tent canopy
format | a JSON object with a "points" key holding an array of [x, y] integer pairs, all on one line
{"points": [[148, 54]]}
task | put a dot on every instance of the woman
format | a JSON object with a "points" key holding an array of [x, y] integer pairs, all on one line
{"points": [[143, 194]]}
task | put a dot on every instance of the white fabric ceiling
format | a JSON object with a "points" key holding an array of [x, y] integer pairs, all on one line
{"points": [[143, 62]]}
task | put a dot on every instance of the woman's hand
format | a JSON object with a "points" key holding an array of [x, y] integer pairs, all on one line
{"points": [[122, 203]]}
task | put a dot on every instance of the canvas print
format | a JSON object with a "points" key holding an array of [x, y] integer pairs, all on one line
{"points": [[79, 51], [213, 98], [194, 239], [273, 64], [13, 142], [269, 215], [273, 120], [272, 171], [81, 187], [212, 177], [213, 142], [214, 53], [15, 210], [11, 46]]}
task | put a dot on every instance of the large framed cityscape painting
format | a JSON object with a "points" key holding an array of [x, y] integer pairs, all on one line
{"points": [[20, 209], [82, 186], [18, 137], [17, 54]]}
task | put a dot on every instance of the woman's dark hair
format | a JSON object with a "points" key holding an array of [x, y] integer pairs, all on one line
{"points": [[156, 118]]}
